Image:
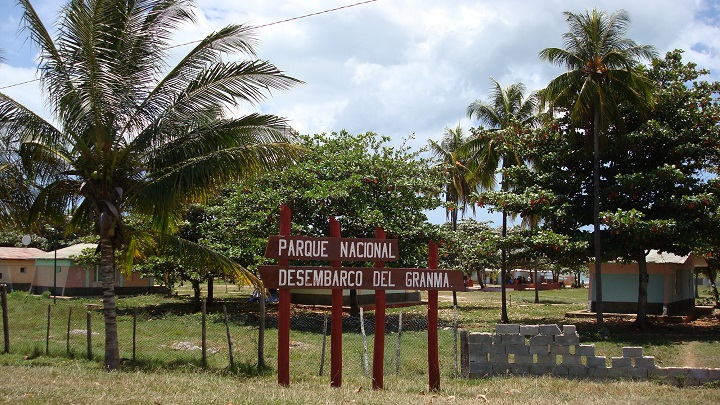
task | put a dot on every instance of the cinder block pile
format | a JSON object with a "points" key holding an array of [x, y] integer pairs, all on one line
{"points": [[546, 349]]}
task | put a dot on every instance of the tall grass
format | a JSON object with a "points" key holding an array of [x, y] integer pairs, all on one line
{"points": [[168, 367]]}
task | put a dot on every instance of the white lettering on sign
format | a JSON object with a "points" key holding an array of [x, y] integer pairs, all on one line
{"points": [[382, 279], [322, 278], [426, 279], [376, 250], [303, 247]]}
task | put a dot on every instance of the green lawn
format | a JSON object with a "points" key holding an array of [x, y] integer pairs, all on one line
{"points": [[168, 340]]}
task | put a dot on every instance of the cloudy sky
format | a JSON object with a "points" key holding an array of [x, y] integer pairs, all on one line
{"points": [[399, 67]]}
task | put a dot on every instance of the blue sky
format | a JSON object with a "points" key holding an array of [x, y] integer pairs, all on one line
{"points": [[399, 67]]}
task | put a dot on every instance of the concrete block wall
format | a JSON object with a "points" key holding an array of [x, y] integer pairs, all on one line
{"points": [[549, 349]]}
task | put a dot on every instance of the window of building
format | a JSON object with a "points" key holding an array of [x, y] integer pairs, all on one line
{"points": [[0, 276], [22, 270]]}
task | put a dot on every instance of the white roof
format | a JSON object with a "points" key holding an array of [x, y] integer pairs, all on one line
{"points": [[656, 256], [65, 253]]}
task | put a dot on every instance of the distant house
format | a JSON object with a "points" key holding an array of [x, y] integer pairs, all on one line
{"points": [[17, 267], [670, 284], [70, 279]]}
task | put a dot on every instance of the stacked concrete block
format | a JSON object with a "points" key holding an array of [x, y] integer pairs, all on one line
{"points": [[548, 349], [479, 345]]}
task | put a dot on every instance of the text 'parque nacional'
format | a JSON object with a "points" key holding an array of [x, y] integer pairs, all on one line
{"points": [[344, 249]]}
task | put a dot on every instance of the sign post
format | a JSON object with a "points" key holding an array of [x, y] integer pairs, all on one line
{"points": [[336, 320], [379, 341], [283, 308], [335, 277], [433, 360]]}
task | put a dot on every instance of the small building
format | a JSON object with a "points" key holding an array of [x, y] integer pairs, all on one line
{"points": [[71, 279], [17, 267], [670, 288]]}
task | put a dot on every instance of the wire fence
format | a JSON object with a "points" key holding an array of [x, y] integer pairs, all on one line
{"points": [[227, 336]]}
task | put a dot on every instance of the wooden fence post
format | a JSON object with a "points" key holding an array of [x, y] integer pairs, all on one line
{"points": [[134, 334], [229, 339], [399, 344], [67, 344], [5, 316], [204, 333], [89, 335], [47, 336], [464, 354], [261, 333], [324, 342]]}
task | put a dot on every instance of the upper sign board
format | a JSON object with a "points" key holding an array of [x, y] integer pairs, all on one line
{"points": [[330, 248]]}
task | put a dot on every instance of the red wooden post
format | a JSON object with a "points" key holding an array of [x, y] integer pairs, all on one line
{"points": [[433, 362], [284, 308], [379, 342], [336, 319]]}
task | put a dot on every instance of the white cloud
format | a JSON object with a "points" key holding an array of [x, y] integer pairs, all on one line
{"points": [[398, 67]]}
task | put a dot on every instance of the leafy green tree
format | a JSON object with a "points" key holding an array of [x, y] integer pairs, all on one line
{"points": [[658, 190], [15, 187], [132, 139], [359, 179], [508, 114], [540, 247], [662, 197], [601, 72], [471, 248]]}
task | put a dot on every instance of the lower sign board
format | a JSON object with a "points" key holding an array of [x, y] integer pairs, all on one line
{"points": [[361, 278]]}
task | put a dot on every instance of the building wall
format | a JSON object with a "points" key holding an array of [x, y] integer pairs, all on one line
{"points": [[10, 270], [670, 288]]}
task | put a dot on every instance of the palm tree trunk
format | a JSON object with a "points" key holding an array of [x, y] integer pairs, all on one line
{"points": [[641, 320], [503, 272], [107, 259], [596, 221]]}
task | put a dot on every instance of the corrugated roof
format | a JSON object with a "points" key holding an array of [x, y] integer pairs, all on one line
{"points": [[656, 256], [19, 253], [65, 253]]}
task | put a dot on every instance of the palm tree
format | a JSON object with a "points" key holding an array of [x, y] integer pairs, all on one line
{"points": [[451, 155], [508, 113], [601, 65], [129, 139]]}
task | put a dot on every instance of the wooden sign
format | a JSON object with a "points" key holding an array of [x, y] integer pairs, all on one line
{"points": [[361, 278], [333, 248]]}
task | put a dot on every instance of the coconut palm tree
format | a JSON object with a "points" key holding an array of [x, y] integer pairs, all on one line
{"points": [[601, 65], [451, 156], [509, 113], [130, 135]]}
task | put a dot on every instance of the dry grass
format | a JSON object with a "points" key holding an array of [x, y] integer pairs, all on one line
{"points": [[36, 378], [76, 383]]}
